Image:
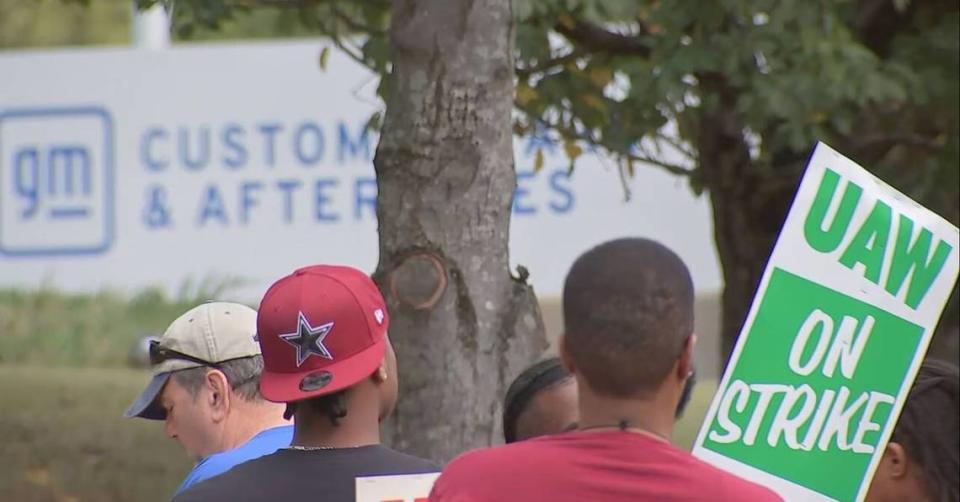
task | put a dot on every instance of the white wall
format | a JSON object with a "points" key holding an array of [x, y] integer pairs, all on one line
{"points": [[103, 182]]}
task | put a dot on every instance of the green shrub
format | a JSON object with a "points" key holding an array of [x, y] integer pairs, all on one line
{"points": [[47, 327]]}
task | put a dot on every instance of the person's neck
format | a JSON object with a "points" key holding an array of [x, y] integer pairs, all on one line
{"points": [[360, 427], [249, 419], [654, 415]]}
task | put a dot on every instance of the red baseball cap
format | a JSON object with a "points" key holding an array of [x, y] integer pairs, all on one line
{"points": [[321, 329]]}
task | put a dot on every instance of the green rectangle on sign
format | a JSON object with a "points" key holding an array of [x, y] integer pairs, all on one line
{"points": [[809, 397]]}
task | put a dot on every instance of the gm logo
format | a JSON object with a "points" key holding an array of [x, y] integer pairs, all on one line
{"points": [[56, 181]]}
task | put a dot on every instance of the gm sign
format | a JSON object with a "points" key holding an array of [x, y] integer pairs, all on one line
{"points": [[56, 181]]}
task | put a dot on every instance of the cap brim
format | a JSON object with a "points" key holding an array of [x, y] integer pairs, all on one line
{"points": [[285, 387], [146, 405]]}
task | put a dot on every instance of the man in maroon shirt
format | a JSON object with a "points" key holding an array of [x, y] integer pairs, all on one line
{"points": [[628, 341]]}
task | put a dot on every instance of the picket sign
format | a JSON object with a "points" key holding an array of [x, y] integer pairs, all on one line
{"points": [[398, 488], [837, 331]]}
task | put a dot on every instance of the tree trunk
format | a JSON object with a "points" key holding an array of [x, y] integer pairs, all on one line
{"points": [[749, 207], [461, 325], [750, 204], [745, 237]]}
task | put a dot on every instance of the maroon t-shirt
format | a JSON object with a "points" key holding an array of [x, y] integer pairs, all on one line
{"points": [[610, 466]]}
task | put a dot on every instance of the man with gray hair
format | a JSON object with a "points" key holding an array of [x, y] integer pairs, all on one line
{"points": [[206, 389]]}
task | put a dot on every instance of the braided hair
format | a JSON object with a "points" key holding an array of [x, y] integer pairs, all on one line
{"points": [[333, 406], [528, 384]]}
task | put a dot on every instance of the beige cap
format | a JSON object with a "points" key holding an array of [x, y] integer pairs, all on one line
{"points": [[213, 332]]}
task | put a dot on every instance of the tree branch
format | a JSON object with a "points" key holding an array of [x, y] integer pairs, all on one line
{"points": [[548, 64], [349, 51], [572, 134], [647, 159], [275, 3], [597, 39], [918, 140], [676, 145], [353, 24], [878, 22]]}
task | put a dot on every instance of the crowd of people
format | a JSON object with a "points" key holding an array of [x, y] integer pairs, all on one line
{"points": [[592, 424]]}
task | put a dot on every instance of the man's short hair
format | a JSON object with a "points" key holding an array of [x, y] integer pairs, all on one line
{"points": [[242, 374], [332, 406], [929, 428], [627, 312], [525, 387]]}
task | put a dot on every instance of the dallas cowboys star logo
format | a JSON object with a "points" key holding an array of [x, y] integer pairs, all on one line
{"points": [[308, 339]]}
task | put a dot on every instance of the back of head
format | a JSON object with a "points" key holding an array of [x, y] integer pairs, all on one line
{"points": [[929, 428], [242, 374], [323, 331], [221, 333], [524, 389], [627, 311], [211, 336]]}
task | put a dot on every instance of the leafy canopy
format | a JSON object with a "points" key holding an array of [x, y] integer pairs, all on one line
{"points": [[876, 78]]}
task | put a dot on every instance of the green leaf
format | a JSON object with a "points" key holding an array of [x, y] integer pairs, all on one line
{"points": [[594, 101], [600, 76], [374, 122], [572, 150], [324, 56], [525, 94], [376, 53]]}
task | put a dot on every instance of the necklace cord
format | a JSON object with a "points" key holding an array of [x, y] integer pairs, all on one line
{"points": [[624, 426]]}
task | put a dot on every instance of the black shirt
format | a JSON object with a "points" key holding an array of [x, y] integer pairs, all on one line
{"points": [[294, 475]]}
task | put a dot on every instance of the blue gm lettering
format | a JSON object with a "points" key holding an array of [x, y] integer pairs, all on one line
{"points": [[57, 178], [56, 181]]}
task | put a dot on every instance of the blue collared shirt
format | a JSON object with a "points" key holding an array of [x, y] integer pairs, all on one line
{"points": [[264, 443]]}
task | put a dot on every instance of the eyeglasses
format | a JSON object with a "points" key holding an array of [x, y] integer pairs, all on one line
{"points": [[159, 354]]}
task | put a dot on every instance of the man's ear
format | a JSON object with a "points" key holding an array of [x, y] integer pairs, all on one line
{"points": [[565, 358], [685, 362], [894, 461], [218, 394], [381, 375]]}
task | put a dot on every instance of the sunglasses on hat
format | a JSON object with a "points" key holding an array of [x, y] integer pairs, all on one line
{"points": [[159, 354]]}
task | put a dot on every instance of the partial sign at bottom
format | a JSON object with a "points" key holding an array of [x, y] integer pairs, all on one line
{"points": [[398, 488]]}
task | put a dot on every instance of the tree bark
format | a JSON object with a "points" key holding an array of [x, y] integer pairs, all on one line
{"points": [[745, 237], [461, 325], [749, 206]]}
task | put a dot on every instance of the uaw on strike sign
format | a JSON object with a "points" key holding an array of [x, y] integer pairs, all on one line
{"points": [[839, 327]]}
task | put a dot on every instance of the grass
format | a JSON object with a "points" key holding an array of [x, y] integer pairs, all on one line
{"points": [[688, 426], [63, 389], [62, 437]]}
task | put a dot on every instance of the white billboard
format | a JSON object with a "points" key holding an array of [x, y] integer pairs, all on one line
{"points": [[123, 168]]}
